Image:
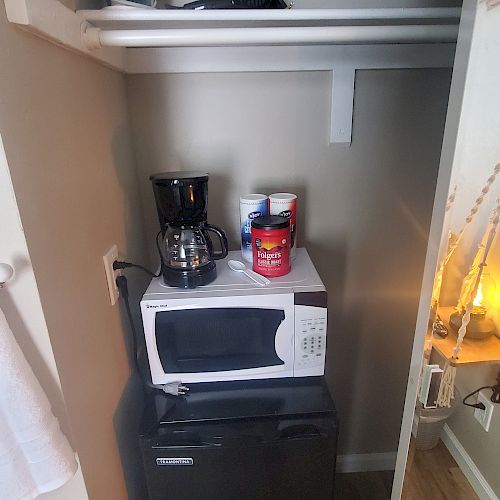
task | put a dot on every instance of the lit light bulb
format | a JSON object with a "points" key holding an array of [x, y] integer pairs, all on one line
{"points": [[478, 300], [482, 323]]}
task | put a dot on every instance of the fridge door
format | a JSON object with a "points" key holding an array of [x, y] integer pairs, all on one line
{"points": [[260, 459]]}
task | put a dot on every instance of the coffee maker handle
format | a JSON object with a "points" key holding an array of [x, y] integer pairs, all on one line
{"points": [[223, 242]]}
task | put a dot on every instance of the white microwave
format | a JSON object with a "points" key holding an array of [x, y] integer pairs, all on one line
{"points": [[233, 329]]}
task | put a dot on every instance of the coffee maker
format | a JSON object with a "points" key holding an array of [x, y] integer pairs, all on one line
{"points": [[187, 252]]}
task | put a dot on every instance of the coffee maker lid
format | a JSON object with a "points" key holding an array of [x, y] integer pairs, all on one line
{"points": [[178, 178]]}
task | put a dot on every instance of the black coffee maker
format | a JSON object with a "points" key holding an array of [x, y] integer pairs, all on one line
{"points": [[187, 251]]}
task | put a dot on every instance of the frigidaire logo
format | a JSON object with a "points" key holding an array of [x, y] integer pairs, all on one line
{"points": [[174, 461], [286, 213], [254, 215]]}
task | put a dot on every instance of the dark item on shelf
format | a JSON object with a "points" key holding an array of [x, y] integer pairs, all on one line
{"points": [[439, 328], [480, 326], [236, 4]]}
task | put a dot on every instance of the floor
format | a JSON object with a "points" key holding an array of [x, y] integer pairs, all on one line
{"points": [[363, 485], [430, 475], [434, 474]]}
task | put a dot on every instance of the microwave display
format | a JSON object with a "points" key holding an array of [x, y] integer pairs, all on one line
{"points": [[217, 339]]}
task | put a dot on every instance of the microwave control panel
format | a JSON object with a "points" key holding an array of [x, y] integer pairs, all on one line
{"points": [[310, 340]]}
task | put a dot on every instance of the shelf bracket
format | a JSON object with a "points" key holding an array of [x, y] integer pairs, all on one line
{"points": [[342, 104]]}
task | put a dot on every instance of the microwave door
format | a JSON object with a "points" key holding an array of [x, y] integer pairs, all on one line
{"points": [[218, 339], [224, 343]]}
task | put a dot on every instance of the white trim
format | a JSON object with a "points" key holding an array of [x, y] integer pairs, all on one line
{"points": [[467, 465], [365, 462], [457, 90]]}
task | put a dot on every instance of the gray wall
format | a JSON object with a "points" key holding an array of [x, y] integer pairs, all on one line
{"points": [[364, 210]]}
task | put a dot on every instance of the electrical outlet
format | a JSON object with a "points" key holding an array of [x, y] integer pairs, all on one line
{"points": [[484, 416], [111, 274]]}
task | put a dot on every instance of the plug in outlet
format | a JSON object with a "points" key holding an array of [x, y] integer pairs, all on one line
{"points": [[111, 274], [484, 416]]}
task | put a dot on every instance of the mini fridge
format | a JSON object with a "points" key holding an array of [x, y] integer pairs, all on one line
{"points": [[266, 439]]}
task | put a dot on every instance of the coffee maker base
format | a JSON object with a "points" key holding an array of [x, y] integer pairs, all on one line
{"points": [[190, 279]]}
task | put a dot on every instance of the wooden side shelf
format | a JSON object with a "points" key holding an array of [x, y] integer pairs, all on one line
{"points": [[472, 351]]}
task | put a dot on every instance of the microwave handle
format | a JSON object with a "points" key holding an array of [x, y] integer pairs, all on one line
{"points": [[282, 348]]}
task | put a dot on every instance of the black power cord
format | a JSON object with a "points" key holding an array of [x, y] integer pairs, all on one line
{"points": [[122, 284], [172, 388], [121, 264], [495, 397]]}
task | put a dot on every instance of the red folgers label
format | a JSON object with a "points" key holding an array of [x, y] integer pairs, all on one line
{"points": [[271, 248]]}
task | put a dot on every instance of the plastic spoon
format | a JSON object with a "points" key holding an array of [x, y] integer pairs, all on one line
{"points": [[239, 267]]}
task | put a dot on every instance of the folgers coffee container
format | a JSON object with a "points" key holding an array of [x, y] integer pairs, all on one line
{"points": [[271, 245], [285, 205], [251, 207]]}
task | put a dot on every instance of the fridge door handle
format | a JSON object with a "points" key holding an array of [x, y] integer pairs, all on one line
{"points": [[298, 431], [183, 444], [183, 439]]}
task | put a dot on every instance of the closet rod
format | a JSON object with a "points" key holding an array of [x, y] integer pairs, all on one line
{"points": [[96, 38], [136, 14]]}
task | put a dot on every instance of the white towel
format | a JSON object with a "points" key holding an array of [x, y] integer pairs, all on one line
{"points": [[35, 456]]}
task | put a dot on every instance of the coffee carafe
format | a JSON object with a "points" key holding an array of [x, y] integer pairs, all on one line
{"points": [[187, 252]]}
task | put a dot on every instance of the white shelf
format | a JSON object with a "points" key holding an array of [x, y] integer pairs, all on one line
{"points": [[140, 40]]}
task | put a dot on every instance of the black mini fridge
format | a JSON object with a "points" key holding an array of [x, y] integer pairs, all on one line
{"points": [[269, 439]]}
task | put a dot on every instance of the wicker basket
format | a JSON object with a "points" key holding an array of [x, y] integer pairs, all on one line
{"points": [[430, 422]]}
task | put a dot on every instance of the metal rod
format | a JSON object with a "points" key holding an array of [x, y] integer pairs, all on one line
{"points": [[95, 37], [117, 13]]}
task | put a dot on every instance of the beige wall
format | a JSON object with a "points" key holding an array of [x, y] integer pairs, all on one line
{"points": [[364, 211], [64, 123]]}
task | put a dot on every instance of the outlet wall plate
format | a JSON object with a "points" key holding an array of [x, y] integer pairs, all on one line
{"points": [[111, 274], [484, 416]]}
